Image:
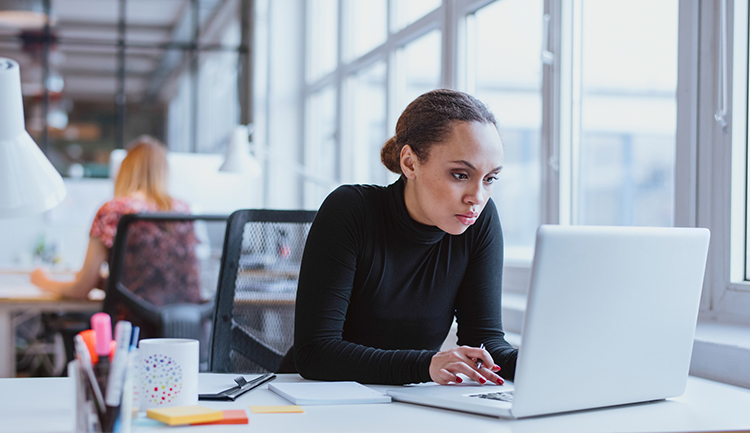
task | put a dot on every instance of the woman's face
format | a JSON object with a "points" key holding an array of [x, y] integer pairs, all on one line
{"points": [[450, 189]]}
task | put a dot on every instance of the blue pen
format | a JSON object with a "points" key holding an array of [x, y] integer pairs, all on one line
{"points": [[134, 338], [123, 422]]}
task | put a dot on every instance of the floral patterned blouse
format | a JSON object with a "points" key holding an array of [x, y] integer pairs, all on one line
{"points": [[160, 265]]}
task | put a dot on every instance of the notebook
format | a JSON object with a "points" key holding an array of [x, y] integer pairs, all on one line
{"points": [[328, 393], [610, 320]]}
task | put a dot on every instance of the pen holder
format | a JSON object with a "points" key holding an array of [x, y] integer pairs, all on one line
{"points": [[88, 416]]}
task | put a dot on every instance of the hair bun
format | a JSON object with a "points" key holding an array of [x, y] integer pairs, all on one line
{"points": [[390, 155], [429, 120]]}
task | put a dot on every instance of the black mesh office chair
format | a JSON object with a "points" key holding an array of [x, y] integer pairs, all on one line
{"points": [[155, 276], [254, 319], [154, 259]]}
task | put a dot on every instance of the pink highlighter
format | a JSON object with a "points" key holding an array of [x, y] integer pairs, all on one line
{"points": [[102, 325]]}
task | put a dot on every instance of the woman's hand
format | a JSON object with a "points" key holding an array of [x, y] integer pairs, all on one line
{"points": [[445, 366], [40, 279]]}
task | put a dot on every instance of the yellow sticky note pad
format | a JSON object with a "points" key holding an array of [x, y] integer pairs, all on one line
{"points": [[182, 415], [277, 409]]}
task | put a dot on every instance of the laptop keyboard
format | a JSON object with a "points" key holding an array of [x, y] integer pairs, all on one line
{"points": [[500, 396]]}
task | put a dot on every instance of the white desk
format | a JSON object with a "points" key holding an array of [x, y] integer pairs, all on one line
{"points": [[18, 295], [46, 404]]}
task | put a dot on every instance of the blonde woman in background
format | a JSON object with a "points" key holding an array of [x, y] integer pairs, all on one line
{"points": [[141, 186]]}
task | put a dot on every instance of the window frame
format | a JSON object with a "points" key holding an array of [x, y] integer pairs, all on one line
{"points": [[722, 165]]}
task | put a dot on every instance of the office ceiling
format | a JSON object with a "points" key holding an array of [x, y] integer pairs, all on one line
{"points": [[158, 34]]}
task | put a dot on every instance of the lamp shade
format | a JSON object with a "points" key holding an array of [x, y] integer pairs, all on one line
{"points": [[28, 182], [238, 159]]}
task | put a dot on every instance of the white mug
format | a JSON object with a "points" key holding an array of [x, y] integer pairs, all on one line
{"points": [[168, 371]]}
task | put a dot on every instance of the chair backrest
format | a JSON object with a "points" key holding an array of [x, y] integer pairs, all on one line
{"points": [[163, 273], [254, 317]]}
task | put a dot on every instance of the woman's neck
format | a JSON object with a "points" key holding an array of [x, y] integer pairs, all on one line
{"points": [[412, 204], [139, 195]]}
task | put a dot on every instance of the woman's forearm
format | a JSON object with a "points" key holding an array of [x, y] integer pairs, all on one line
{"points": [[86, 279], [343, 360], [77, 288]]}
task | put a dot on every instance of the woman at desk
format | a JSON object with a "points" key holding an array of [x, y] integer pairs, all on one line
{"points": [[385, 269], [141, 186]]}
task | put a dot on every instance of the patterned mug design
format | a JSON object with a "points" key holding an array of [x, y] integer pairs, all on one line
{"points": [[161, 379]]}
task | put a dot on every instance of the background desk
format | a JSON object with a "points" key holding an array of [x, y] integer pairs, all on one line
{"points": [[18, 295], [46, 404]]}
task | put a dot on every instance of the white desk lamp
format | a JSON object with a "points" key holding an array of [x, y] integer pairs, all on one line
{"points": [[238, 157], [28, 182]]}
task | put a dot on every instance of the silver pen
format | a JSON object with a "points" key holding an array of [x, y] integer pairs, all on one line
{"points": [[479, 361]]}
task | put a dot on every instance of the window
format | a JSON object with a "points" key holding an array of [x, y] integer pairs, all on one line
{"points": [[419, 68], [729, 150], [596, 144], [322, 24], [320, 152], [597, 101], [366, 26], [359, 77], [503, 43], [628, 112], [406, 12], [364, 123]]}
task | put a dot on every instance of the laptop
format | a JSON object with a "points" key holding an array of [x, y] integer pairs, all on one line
{"points": [[610, 320]]}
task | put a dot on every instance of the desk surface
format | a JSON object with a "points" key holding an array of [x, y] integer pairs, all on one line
{"points": [[705, 406], [16, 287], [18, 295], [16, 290]]}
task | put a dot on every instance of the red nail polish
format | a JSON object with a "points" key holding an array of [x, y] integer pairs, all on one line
{"points": [[482, 380], [459, 380], [497, 367], [500, 382]]}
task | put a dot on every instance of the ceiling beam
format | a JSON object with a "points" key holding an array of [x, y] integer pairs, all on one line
{"points": [[83, 55], [110, 26], [102, 73]]}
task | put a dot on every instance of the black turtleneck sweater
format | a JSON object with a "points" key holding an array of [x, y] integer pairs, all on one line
{"points": [[378, 291]]}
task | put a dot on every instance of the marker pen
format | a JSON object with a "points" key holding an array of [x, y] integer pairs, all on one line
{"points": [[116, 377], [101, 323], [112, 348], [83, 356], [90, 339], [117, 370]]}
